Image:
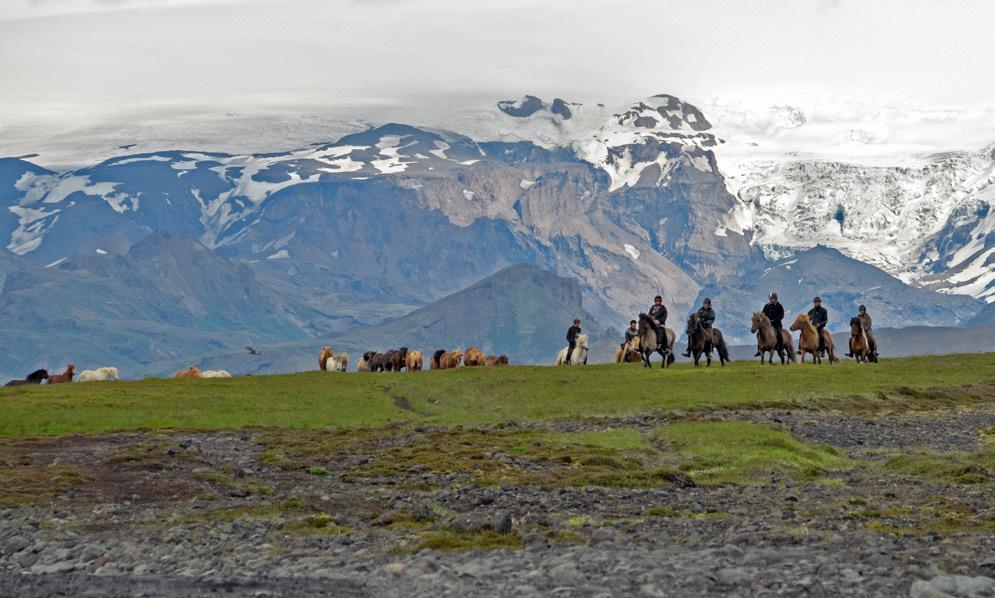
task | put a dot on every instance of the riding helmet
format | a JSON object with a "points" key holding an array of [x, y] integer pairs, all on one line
{"points": [[817, 299]]}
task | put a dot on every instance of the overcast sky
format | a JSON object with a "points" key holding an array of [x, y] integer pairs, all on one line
{"points": [[205, 50]]}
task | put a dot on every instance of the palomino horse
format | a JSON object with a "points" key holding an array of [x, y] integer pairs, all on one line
{"points": [[629, 352], [767, 339], [703, 340], [859, 345], [808, 341], [649, 344]]}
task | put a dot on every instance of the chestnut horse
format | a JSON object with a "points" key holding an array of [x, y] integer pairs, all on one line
{"points": [[702, 340], [808, 341], [859, 346], [649, 344], [473, 357], [629, 352], [767, 339], [67, 376]]}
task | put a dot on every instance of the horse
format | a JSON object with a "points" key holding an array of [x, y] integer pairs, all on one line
{"points": [[364, 363], [97, 375], [702, 340], [495, 360], [339, 362], [190, 372], [323, 357], [64, 377], [450, 359], [215, 374], [649, 344], [34, 377], [579, 355], [473, 357], [397, 359], [629, 352], [808, 340], [767, 339], [859, 345], [434, 363], [413, 361], [380, 362]]}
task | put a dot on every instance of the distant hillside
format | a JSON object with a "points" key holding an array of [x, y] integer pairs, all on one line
{"points": [[168, 298], [521, 311]]}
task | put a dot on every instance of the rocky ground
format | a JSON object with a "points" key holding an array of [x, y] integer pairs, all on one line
{"points": [[495, 511]]}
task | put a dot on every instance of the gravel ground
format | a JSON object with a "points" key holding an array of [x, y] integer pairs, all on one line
{"points": [[159, 521]]}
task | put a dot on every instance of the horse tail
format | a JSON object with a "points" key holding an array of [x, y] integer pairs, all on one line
{"points": [[723, 350], [789, 346], [436, 357]]}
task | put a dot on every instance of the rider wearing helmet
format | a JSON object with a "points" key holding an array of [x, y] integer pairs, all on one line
{"points": [[819, 318], [706, 317], [775, 313], [865, 322]]}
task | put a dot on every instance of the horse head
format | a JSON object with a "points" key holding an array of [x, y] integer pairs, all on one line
{"points": [[856, 329], [800, 322], [758, 322], [693, 324], [581, 341]]}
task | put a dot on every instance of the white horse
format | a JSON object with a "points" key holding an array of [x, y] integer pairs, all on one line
{"points": [[579, 355], [338, 362], [215, 374], [98, 375]]}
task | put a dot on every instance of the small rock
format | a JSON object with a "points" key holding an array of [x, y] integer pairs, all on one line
{"points": [[733, 576], [395, 568]]}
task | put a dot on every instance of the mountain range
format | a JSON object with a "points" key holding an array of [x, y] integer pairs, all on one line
{"points": [[153, 259]]}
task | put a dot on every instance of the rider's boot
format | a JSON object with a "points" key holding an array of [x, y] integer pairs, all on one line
{"points": [[687, 353]]}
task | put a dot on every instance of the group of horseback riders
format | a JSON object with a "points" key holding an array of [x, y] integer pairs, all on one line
{"points": [[773, 310]]}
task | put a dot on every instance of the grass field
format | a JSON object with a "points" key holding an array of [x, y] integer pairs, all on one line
{"points": [[477, 396]]}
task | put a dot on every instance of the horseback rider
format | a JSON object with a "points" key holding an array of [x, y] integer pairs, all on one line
{"points": [[775, 313], [630, 333], [706, 317], [658, 314], [572, 339], [865, 322], [819, 318]]}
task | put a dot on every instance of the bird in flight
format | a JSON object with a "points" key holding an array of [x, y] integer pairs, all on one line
{"points": [[253, 351]]}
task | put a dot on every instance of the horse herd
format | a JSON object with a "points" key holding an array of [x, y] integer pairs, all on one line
{"points": [[39, 376], [396, 360]]}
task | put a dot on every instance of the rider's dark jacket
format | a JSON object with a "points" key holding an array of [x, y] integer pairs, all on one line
{"points": [[706, 315], [630, 334], [572, 334], [658, 313], [865, 320], [774, 313], [818, 316]]}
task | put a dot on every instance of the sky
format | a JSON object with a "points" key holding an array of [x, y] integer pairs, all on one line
{"points": [[86, 61]]}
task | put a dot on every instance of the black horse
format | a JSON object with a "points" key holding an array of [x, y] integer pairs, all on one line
{"points": [[34, 377], [703, 341]]}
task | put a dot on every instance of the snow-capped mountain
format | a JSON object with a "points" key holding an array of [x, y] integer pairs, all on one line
{"points": [[646, 198]]}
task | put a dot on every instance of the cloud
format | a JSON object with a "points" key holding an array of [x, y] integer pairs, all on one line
{"points": [[27, 9]]}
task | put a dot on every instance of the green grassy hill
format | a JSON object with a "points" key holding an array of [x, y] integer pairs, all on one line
{"points": [[477, 395]]}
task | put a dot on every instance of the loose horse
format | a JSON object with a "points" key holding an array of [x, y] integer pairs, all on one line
{"points": [[397, 358], [364, 363], [579, 354], [629, 352], [495, 360], [380, 362], [649, 344], [64, 377], [98, 375], [473, 357], [34, 377], [436, 357], [859, 345], [323, 357], [450, 359], [767, 339], [413, 361], [190, 372], [703, 340], [808, 340]]}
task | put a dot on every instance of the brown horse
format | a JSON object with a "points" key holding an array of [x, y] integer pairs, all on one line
{"points": [[495, 360], [450, 359], [63, 378], [190, 372], [859, 345], [323, 357], [649, 344], [629, 352], [767, 339], [702, 340], [808, 340], [473, 357]]}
